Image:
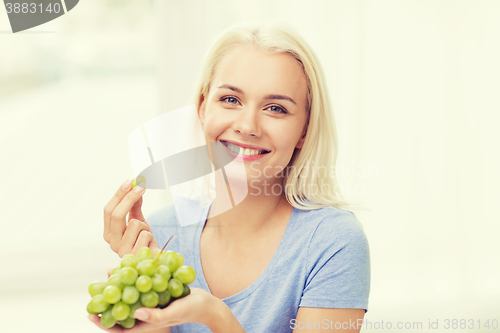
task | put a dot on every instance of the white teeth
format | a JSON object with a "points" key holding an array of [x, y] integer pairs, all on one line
{"points": [[241, 151]]}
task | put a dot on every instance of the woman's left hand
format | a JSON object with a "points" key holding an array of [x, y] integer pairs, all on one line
{"points": [[197, 307]]}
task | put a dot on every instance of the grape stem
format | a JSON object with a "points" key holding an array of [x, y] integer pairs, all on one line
{"points": [[164, 246]]}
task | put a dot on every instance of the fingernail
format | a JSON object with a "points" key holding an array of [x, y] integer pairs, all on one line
{"points": [[141, 314], [140, 188], [126, 185]]}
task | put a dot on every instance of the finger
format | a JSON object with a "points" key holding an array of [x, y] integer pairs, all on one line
{"points": [[111, 205], [96, 320], [144, 239], [136, 211], [153, 245], [118, 221], [158, 317], [141, 327], [130, 236]]}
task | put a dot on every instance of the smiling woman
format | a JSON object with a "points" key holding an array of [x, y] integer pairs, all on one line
{"points": [[303, 186], [277, 260]]}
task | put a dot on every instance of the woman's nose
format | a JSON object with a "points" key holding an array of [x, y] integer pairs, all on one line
{"points": [[247, 122]]}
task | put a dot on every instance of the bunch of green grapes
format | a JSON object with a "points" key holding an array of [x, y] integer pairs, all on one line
{"points": [[141, 281]]}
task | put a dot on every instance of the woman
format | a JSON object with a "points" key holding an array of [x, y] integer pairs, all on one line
{"points": [[289, 257]]}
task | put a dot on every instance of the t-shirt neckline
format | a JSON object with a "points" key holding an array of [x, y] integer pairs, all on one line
{"points": [[262, 277]]}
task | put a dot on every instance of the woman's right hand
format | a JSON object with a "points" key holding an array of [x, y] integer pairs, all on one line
{"points": [[128, 237]]}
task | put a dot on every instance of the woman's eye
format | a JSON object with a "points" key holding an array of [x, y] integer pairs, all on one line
{"points": [[229, 99], [276, 109], [272, 108]]}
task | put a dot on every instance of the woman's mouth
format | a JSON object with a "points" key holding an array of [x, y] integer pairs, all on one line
{"points": [[244, 154]]}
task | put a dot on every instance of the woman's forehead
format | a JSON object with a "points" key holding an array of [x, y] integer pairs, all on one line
{"points": [[254, 71]]}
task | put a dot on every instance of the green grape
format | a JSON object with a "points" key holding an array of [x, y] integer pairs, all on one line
{"points": [[128, 275], [164, 298], [90, 310], [129, 260], [186, 291], [120, 311], [115, 280], [130, 295], [150, 299], [112, 294], [163, 271], [144, 253], [159, 283], [98, 304], [157, 255], [146, 267], [129, 255], [175, 287], [162, 257], [115, 270], [107, 319], [180, 259], [185, 274], [96, 288], [127, 323], [138, 180], [134, 307], [144, 283], [171, 261]]}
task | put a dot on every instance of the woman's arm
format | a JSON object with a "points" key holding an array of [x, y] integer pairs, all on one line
{"points": [[162, 330], [337, 288], [328, 320], [197, 307], [223, 319]]}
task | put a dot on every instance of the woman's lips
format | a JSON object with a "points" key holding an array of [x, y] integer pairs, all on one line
{"points": [[239, 157]]}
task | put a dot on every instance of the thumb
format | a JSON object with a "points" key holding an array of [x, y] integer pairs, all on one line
{"points": [[154, 316]]}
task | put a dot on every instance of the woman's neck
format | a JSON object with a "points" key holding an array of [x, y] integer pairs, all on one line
{"points": [[252, 218]]}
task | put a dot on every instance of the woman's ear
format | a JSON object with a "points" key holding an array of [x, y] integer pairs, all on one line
{"points": [[201, 110], [302, 139]]}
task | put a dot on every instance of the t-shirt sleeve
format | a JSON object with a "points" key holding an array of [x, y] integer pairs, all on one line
{"points": [[163, 223], [338, 264]]}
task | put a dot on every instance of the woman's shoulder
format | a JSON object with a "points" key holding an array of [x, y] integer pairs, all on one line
{"points": [[328, 230], [330, 220], [331, 232]]}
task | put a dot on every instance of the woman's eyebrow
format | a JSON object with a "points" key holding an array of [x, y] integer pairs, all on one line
{"points": [[273, 96]]}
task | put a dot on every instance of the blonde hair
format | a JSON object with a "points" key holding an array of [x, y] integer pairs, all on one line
{"points": [[319, 150]]}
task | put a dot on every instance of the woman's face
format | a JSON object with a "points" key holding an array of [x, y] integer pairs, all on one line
{"points": [[257, 99]]}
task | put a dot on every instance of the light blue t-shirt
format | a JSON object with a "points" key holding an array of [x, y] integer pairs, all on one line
{"points": [[322, 261]]}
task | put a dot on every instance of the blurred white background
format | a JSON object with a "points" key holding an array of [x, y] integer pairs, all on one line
{"points": [[414, 86]]}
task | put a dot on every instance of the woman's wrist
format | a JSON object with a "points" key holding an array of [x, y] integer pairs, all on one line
{"points": [[221, 319]]}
